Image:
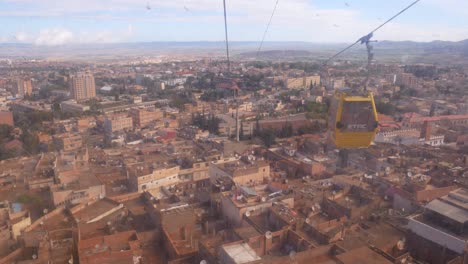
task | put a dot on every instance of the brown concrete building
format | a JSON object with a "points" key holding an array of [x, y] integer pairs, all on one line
{"points": [[143, 117], [24, 87], [75, 181], [407, 79], [68, 142], [245, 173], [302, 82], [235, 204], [123, 247], [117, 123], [82, 86], [145, 177]]}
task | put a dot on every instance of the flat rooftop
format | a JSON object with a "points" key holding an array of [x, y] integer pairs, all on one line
{"points": [[247, 232], [241, 253], [455, 213], [362, 255], [100, 207], [239, 168]]}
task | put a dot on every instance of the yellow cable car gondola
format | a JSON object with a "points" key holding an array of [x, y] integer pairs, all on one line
{"points": [[353, 120]]}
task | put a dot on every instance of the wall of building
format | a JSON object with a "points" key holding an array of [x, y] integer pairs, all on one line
{"points": [[429, 195], [10, 258], [5, 236], [19, 226], [437, 236], [6, 118], [157, 179], [401, 203], [234, 215], [252, 176], [428, 251], [66, 197]]}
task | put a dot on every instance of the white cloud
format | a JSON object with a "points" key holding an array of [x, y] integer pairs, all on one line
{"points": [[22, 36], [54, 37], [294, 20]]}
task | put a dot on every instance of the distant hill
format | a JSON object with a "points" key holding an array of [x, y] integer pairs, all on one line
{"points": [[437, 45], [277, 53], [391, 51], [441, 52]]}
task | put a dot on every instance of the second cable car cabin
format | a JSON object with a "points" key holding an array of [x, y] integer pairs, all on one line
{"points": [[353, 120]]}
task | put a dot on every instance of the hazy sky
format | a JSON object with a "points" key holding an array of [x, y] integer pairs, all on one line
{"points": [[52, 22]]}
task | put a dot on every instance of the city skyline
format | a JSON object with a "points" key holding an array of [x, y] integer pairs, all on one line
{"points": [[74, 22]]}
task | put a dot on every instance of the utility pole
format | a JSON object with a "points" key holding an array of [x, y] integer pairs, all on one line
{"points": [[229, 70], [237, 115]]}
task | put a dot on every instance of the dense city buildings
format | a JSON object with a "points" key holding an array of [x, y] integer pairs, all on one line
{"points": [[175, 160], [143, 117]]}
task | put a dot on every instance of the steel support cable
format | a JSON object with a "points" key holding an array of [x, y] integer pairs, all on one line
{"points": [[267, 27]]}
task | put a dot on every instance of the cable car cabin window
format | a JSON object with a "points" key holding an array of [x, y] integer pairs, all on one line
{"points": [[357, 117]]}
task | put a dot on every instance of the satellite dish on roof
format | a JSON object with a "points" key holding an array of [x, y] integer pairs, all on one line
{"points": [[401, 244], [34, 256], [409, 174], [307, 220], [264, 199], [248, 213], [268, 234], [292, 254], [203, 262]]}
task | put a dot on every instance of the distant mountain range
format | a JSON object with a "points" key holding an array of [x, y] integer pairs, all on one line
{"points": [[405, 51]]}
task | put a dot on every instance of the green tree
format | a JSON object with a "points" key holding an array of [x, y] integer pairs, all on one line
{"points": [[5, 132], [30, 142], [385, 108], [256, 131], [286, 130], [268, 137], [241, 131], [206, 122]]}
